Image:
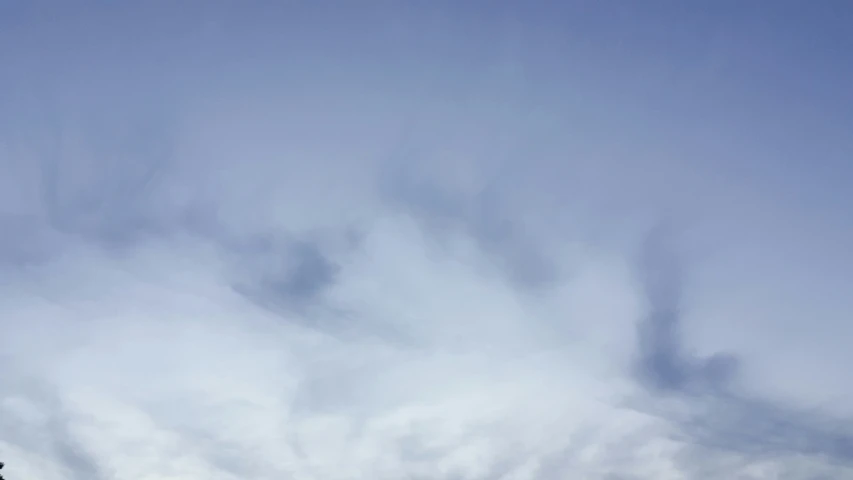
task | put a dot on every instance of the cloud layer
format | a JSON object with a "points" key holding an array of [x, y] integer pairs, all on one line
{"points": [[415, 242]]}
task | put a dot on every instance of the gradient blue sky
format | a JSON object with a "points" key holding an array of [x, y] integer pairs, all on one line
{"points": [[440, 240]]}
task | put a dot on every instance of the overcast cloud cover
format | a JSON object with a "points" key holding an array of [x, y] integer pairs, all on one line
{"points": [[426, 240]]}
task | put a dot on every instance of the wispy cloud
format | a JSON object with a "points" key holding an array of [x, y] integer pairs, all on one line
{"points": [[718, 414]]}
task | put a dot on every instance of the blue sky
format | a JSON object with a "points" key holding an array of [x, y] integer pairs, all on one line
{"points": [[468, 240]]}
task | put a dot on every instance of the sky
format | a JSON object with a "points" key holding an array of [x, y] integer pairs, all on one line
{"points": [[426, 240]]}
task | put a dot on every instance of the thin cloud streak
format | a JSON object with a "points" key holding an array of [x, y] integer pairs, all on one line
{"points": [[719, 414]]}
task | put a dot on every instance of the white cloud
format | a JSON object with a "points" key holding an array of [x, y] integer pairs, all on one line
{"points": [[164, 370], [436, 368]]}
